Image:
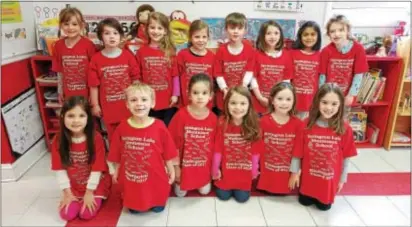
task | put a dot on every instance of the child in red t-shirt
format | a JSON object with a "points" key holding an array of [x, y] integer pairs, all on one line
{"points": [[306, 60], [140, 149], [281, 135], [78, 159], [111, 71], [273, 64], [195, 59], [193, 129], [237, 146], [234, 60], [157, 66], [325, 150], [71, 55], [343, 61]]}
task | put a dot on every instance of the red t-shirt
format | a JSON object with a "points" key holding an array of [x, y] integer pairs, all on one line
{"points": [[73, 63], [142, 153], [306, 79], [113, 76], [268, 72], [340, 68], [232, 67], [157, 71], [79, 171], [195, 141], [188, 65], [322, 161], [236, 165], [275, 161]]}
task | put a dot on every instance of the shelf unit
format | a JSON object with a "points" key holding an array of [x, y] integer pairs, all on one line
{"points": [[400, 120], [41, 65], [378, 112]]}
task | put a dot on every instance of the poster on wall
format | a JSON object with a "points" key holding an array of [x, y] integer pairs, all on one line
{"points": [[13, 34], [10, 12], [23, 122], [217, 29], [127, 23], [279, 5]]}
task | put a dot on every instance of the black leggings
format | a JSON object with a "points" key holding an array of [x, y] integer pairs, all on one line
{"points": [[307, 201]]}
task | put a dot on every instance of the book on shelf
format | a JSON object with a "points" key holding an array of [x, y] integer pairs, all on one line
{"points": [[358, 120], [372, 133], [47, 78], [400, 137], [372, 87]]}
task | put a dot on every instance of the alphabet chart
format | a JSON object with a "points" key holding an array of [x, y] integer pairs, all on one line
{"points": [[279, 5]]}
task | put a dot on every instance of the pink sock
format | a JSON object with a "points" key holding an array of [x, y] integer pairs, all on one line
{"points": [[87, 215], [72, 211]]}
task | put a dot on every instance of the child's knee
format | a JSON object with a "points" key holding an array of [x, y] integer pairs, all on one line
{"points": [[223, 194], [158, 209], [72, 211], [205, 189], [179, 192], [241, 196], [87, 214]]}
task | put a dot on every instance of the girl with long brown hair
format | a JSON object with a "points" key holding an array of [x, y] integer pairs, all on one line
{"points": [[237, 146], [326, 147]]}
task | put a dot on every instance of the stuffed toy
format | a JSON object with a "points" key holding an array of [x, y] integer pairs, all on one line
{"points": [[179, 29], [137, 36]]}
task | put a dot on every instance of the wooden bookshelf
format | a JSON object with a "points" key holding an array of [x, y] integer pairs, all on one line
{"points": [[400, 118]]}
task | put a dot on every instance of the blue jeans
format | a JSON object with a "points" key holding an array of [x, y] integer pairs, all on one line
{"points": [[157, 209], [239, 195]]}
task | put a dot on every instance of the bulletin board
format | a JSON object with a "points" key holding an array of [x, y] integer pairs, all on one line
{"points": [[217, 28], [17, 33]]}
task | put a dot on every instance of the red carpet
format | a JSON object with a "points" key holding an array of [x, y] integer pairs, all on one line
{"points": [[361, 184]]}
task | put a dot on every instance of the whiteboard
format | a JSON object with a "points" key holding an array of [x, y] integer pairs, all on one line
{"points": [[23, 122], [11, 48]]}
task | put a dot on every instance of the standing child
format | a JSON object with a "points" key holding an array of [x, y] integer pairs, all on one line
{"points": [[157, 64], [72, 54], [273, 64], [111, 71], [193, 129], [343, 61], [281, 135], [78, 159], [306, 59], [326, 148], [195, 59], [237, 146], [141, 147], [234, 60]]}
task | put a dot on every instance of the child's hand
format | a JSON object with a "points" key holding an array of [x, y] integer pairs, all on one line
{"points": [[217, 176], [225, 92], [177, 174], [171, 174], [67, 198], [348, 100], [115, 176], [89, 202], [173, 101], [294, 181], [340, 186], [96, 111], [264, 101], [61, 98]]}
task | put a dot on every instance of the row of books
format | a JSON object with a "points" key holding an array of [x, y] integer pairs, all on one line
{"points": [[372, 87]]}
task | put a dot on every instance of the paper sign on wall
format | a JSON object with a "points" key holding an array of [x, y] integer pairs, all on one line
{"points": [[10, 12], [13, 34], [279, 5]]}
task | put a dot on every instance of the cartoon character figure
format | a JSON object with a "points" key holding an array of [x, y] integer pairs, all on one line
{"points": [[179, 28]]}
